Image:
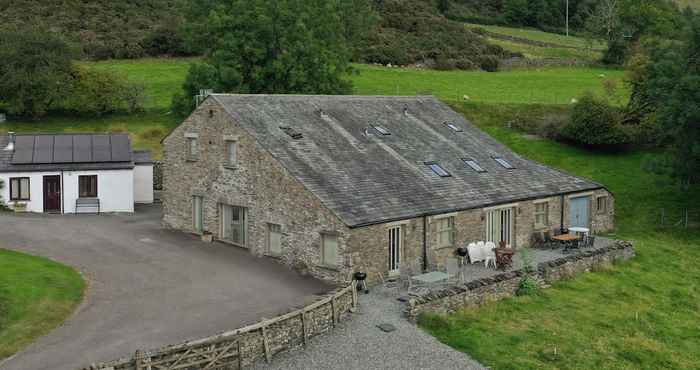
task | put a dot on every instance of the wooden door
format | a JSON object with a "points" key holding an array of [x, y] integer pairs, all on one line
{"points": [[579, 212], [52, 194]]}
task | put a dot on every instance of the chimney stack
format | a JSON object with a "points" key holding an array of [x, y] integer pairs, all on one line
{"points": [[11, 145]]}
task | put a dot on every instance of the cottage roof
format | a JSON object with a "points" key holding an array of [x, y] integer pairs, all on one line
{"points": [[371, 159], [67, 152]]}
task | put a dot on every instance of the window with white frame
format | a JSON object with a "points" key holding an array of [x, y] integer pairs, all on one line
{"points": [[541, 215], [500, 226], [329, 249], [445, 231], [274, 239], [231, 152], [19, 188], [602, 204]]}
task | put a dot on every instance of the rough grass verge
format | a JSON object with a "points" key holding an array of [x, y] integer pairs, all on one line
{"points": [[36, 296]]}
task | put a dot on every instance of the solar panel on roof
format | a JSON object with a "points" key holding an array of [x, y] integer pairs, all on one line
{"points": [[121, 148], [63, 149], [24, 150], [101, 148], [82, 148], [43, 149]]}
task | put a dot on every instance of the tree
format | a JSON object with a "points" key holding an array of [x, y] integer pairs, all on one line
{"points": [[594, 122], [281, 47], [34, 72], [673, 88]]}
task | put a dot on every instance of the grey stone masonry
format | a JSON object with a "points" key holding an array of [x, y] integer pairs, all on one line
{"points": [[312, 188], [493, 288]]}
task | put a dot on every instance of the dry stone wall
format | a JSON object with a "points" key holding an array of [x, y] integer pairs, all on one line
{"points": [[477, 292]]}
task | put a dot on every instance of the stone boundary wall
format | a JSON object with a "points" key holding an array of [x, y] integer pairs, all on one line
{"points": [[242, 347], [520, 63], [478, 292], [157, 175]]}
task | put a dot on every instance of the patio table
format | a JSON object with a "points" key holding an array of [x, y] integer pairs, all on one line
{"points": [[566, 237], [431, 277], [580, 230]]}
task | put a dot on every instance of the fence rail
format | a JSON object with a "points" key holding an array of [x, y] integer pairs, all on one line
{"points": [[684, 218], [241, 347]]}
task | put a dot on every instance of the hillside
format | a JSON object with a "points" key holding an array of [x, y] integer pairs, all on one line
{"points": [[101, 29]]}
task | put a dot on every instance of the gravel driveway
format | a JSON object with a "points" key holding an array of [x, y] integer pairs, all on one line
{"points": [[358, 344], [149, 287]]}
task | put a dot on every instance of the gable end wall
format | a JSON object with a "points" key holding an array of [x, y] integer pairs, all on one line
{"points": [[258, 182]]}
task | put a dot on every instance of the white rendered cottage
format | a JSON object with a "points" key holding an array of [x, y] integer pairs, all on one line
{"points": [[74, 173]]}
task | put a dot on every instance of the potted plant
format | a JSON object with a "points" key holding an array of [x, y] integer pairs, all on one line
{"points": [[19, 207], [207, 237]]}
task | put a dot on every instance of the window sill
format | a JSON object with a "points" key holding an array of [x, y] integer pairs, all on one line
{"points": [[231, 167], [328, 267], [20, 200], [192, 160], [272, 255]]}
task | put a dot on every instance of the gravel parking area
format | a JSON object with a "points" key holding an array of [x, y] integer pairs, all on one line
{"points": [[360, 344]]}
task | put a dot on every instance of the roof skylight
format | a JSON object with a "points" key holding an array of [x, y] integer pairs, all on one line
{"points": [[474, 165], [503, 163], [438, 169], [452, 126], [381, 130]]}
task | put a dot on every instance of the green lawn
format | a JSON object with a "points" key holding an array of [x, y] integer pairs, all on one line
{"points": [[640, 315], [163, 77], [538, 35], [36, 296]]}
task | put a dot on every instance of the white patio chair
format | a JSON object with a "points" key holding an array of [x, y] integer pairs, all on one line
{"points": [[474, 253], [490, 254]]}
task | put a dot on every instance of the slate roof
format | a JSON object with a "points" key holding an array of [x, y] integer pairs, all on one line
{"points": [[66, 152], [142, 157], [365, 177]]}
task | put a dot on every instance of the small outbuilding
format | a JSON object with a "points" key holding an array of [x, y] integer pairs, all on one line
{"points": [[74, 173]]}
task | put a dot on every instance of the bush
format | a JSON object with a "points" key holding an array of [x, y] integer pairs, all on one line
{"points": [[528, 286], [99, 92], [594, 122]]}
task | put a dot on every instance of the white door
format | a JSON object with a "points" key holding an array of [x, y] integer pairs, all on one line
{"points": [[500, 226], [395, 244], [198, 214]]}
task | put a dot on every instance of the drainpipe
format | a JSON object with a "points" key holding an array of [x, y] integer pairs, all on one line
{"points": [[561, 226], [425, 243], [63, 208]]}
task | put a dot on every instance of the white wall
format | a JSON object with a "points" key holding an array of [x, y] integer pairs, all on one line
{"points": [[143, 183], [36, 189], [115, 189]]}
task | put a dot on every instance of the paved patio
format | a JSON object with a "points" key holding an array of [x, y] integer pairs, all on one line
{"points": [[478, 271]]}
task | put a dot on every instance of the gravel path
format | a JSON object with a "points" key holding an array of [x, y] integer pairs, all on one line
{"points": [[359, 344]]}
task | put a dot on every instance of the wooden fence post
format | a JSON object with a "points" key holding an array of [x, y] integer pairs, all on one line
{"points": [[303, 326], [354, 295], [266, 344], [138, 360], [240, 356], [333, 310]]}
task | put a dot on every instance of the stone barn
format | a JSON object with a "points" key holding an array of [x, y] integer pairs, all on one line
{"points": [[332, 185]]}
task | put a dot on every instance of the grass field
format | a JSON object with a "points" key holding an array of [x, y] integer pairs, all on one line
{"points": [[640, 315], [537, 35], [539, 52], [36, 295], [163, 77]]}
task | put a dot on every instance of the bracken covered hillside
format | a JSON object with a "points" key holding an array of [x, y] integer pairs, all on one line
{"points": [[414, 32], [102, 29]]}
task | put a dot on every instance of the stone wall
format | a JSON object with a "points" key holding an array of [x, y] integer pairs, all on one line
{"points": [[369, 245], [258, 183], [157, 175], [242, 347], [477, 292]]}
